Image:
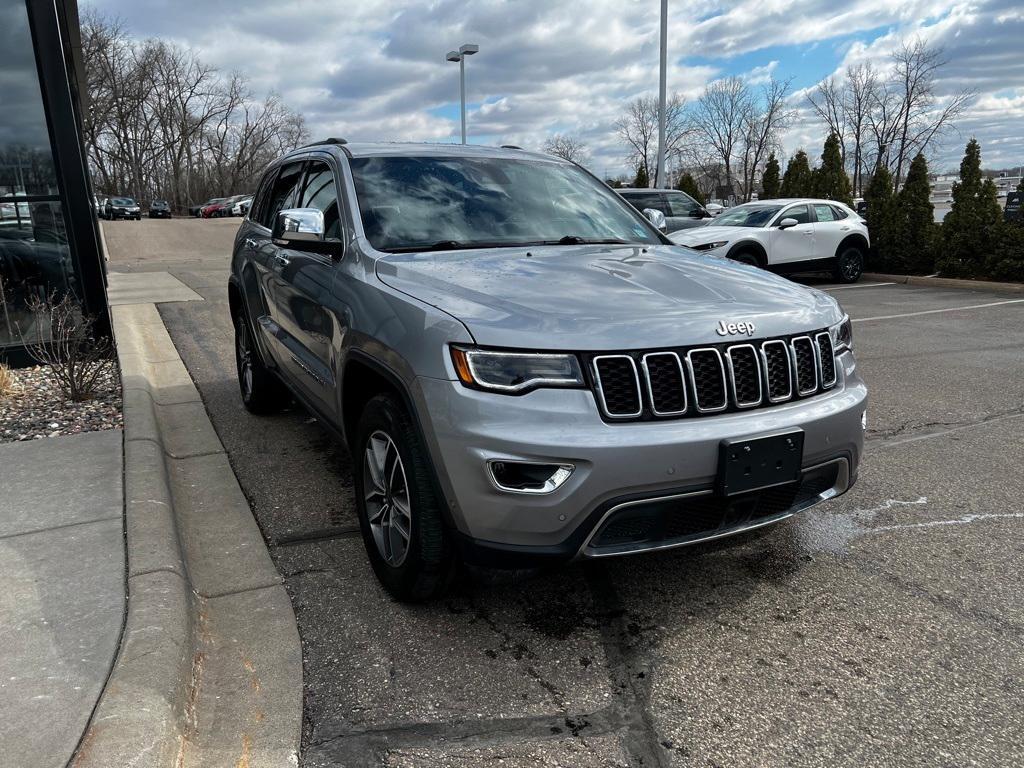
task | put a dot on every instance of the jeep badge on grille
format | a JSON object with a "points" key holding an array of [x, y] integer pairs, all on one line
{"points": [[731, 329]]}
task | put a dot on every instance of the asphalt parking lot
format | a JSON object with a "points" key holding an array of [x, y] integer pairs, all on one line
{"points": [[885, 628]]}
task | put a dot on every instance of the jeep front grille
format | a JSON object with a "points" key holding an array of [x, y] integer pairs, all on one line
{"points": [[712, 379]]}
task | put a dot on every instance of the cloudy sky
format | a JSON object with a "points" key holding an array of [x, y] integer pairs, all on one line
{"points": [[375, 69]]}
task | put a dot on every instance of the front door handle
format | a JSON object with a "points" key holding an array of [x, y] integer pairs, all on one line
{"points": [[281, 259]]}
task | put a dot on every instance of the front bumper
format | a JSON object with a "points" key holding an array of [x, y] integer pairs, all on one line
{"points": [[614, 463]]}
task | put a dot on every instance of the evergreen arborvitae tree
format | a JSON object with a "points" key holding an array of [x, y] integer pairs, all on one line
{"points": [[913, 223], [770, 180], [797, 180], [642, 179], [830, 179], [880, 200], [973, 226], [688, 185]]}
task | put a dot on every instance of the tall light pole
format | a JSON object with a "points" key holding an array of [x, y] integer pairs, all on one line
{"points": [[660, 177], [460, 56]]}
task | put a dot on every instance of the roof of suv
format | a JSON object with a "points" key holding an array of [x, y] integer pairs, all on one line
{"points": [[413, 149], [623, 190]]}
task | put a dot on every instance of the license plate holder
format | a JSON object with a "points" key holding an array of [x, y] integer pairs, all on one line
{"points": [[760, 462]]}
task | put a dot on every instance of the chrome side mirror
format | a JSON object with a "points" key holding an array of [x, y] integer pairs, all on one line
{"points": [[298, 226], [788, 222], [657, 218]]}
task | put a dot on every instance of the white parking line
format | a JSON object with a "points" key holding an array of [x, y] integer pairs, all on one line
{"points": [[859, 285], [937, 311], [965, 520]]}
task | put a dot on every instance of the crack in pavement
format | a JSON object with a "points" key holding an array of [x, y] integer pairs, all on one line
{"points": [[629, 676], [369, 747], [885, 438]]}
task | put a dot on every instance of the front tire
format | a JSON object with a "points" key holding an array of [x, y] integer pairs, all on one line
{"points": [[746, 257], [400, 515], [849, 265], [262, 392]]}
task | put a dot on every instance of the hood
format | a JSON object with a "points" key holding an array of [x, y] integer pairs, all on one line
{"points": [[600, 297], [706, 234]]}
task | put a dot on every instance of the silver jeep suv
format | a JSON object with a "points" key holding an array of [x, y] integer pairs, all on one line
{"points": [[524, 369]]}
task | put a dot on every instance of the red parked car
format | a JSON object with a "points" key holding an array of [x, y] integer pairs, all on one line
{"points": [[213, 208]]}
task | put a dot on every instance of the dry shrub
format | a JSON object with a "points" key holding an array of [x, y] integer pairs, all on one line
{"points": [[72, 353], [8, 384]]}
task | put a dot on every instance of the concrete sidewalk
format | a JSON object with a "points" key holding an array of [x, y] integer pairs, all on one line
{"points": [[62, 590]]}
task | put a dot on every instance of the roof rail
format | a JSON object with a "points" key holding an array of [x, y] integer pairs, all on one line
{"points": [[510, 146], [330, 140]]}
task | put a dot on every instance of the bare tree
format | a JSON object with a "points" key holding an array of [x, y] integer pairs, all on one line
{"points": [[885, 121], [568, 148], [828, 102], [921, 116], [638, 129], [766, 117], [860, 95], [721, 118], [161, 123]]}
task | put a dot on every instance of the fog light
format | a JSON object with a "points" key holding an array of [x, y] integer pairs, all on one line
{"points": [[527, 477]]}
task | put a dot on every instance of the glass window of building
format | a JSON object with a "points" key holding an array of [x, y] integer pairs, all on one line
{"points": [[35, 261]]}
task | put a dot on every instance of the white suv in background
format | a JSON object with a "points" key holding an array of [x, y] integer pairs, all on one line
{"points": [[787, 236]]}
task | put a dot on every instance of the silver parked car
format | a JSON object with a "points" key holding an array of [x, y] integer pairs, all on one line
{"points": [[524, 369]]}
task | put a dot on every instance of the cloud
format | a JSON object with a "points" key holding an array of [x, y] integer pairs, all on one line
{"points": [[376, 70]]}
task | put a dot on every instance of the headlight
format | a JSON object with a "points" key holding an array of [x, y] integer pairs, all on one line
{"points": [[709, 246], [842, 335], [515, 372]]}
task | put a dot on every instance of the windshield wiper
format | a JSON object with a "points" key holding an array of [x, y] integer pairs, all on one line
{"points": [[577, 240], [440, 245], [456, 245]]}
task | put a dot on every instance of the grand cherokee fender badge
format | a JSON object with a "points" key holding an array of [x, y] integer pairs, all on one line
{"points": [[731, 329]]}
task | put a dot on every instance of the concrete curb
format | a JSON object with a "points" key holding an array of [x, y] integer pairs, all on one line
{"points": [[210, 666], [947, 282]]}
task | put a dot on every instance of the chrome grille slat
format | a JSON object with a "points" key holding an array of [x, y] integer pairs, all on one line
{"points": [[775, 354], [745, 375], [618, 390], [706, 370], [663, 388], [826, 359], [805, 365]]}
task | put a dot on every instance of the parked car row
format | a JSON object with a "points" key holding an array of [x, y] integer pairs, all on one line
{"points": [[217, 207]]}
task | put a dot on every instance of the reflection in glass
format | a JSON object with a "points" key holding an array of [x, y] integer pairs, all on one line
{"points": [[26, 162], [34, 263]]}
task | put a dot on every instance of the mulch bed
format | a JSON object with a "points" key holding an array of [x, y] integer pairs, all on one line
{"points": [[37, 408]]}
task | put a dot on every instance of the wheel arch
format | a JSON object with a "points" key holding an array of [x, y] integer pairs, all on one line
{"points": [[362, 378], [753, 247], [855, 239]]}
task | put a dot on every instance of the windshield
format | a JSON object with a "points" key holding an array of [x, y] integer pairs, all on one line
{"points": [[419, 203], [122, 201], [747, 216]]}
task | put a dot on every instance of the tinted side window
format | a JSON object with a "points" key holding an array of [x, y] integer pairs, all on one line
{"points": [[641, 200], [259, 202], [824, 212], [282, 194], [320, 192], [839, 213], [798, 212], [681, 204]]}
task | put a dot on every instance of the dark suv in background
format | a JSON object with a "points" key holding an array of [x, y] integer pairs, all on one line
{"points": [[679, 209], [121, 208], [159, 209]]}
